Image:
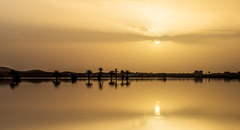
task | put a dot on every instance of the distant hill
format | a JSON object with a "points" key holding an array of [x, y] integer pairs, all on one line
{"points": [[34, 71], [5, 69]]}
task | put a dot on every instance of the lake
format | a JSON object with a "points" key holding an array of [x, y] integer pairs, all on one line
{"points": [[174, 104]]}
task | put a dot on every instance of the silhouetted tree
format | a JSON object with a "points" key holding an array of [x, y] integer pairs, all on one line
{"points": [[164, 77], [74, 78], [100, 73], [127, 74], [111, 82], [122, 72], [122, 83], [111, 73], [116, 77], [89, 72], [17, 77], [116, 73], [13, 73], [56, 74]]}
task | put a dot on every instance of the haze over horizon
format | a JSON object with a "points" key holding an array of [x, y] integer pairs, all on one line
{"points": [[135, 35]]}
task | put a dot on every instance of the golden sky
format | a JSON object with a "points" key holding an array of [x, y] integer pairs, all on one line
{"points": [[77, 35]]}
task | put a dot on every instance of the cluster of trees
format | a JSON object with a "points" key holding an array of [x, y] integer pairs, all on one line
{"points": [[89, 72], [112, 72]]}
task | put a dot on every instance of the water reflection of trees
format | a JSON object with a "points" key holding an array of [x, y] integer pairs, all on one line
{"points": [[123, 82], [56, 83], [100, 83], [89, 84]]}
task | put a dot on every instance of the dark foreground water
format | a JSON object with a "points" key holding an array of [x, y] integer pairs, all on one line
{"points": [[140, 105]]}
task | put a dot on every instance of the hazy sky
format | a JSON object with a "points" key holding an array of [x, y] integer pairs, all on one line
{"points": [[77, 35]]}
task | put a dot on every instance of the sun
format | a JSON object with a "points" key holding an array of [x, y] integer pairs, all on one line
{"points": [[157, 42]]}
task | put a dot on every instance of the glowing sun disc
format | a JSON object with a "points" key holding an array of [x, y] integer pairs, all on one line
{"points": [[157, 42]]}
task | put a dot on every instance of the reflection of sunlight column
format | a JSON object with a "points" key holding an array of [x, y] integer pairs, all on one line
{"points": [[157, 109]]}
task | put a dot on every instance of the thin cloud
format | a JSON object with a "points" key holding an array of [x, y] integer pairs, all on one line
{"points": [[143, 29], [194, 38], [24, 34]]}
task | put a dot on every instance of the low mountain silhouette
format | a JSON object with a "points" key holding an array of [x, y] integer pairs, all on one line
{"points": [[5, 69]]}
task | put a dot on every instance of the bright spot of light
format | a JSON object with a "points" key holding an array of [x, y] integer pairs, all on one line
{"points": [[157, 42], [157, 109]]}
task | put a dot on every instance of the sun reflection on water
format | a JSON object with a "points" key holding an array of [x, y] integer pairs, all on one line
{"points": [[157, 109]]}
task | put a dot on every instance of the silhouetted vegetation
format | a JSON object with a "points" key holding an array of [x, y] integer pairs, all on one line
{"points": [[16, 75], [111, 73], [13, 73], [74, 78], [111, 83], [100, 73], [127, 74], [89, 72], [16, 78], [56, 74], [116, 73], [122, 72], [122, 84]]}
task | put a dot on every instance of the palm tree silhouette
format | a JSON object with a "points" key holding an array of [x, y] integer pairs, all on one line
{"points": [[122, 72], [116, 77], [111, 82], [122, 84], [89, 72], [116, 73], [111, 73], [100, 73], [57, 75], [88, 84]]}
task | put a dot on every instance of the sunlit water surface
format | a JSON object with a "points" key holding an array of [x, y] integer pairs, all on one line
{"points": [[142, 105]]}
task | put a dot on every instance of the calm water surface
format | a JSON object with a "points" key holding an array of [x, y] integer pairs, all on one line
{"points": [[142, 105]]}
